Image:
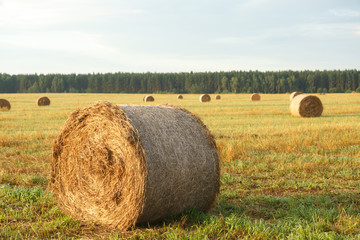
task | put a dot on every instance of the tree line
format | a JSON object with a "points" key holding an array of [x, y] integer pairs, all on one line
{"points": [[186, 82]]}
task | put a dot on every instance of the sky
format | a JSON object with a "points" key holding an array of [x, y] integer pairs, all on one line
{"points": [[91, 36]]}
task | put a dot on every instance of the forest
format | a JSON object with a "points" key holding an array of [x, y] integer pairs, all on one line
{"points": [[186, 82]]}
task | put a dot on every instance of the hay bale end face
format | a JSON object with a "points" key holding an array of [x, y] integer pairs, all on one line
{"points": [[43, 101], [180, 97], [205, 98], [4, 105], [127, 164], [306, 106], [149, 99], [255, 97], [218, 97], [294, 94]]}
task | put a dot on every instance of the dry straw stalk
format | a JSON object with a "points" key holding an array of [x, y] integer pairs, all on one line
{"points": [[205, 98], [294, 94], [43, 101], [127, 164], [255, 97], [4, 105], [306, 106]]}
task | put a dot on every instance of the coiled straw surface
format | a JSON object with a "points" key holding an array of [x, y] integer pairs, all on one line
{"points": [[4, 105], [294, 94], [127, 164], [43, 101], [306, 106], [149, 98], [255, 97], [205, 98]]}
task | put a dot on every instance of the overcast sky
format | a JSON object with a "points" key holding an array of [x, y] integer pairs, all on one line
{"points": [[86, 36]]}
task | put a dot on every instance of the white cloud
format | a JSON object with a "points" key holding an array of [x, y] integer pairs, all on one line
{"points": [[357, 30], [345, 13], [74, 42], [40, 13], [338, 30]]}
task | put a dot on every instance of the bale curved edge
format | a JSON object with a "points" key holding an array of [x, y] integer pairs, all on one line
{"points": [[205, 98], [293, 95], [4, 105], [43, 101], [128, 164], [306, 106], [255, 97]]}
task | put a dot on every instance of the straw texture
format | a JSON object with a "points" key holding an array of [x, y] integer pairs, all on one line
{"points": [[218, 97], [127, 164], [43, 101], [255, 97], [4, 105], [306, 106], [180, 97], [149, 99], [294, 94], [205, 98]]}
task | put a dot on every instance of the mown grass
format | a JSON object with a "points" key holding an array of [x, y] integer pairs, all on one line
{"points": [[282, 177]]}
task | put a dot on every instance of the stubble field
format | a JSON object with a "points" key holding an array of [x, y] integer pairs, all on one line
{"points": [[282, 177]]}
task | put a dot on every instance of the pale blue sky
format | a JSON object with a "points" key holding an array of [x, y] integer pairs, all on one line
{"points": [[85, 36]]}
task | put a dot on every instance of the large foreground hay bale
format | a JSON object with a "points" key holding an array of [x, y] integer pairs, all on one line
{"points": [[180, 97], [255, 97], [294, 94], [4, 105], [306, 106], [149, 98], [205, 98], [218, 97], [43, 101], [127, 164]]}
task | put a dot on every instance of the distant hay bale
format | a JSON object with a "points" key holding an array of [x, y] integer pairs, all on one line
{"points": [[43, 101], [294, 94], [180, 97], [149, 98], [218, 97], [4, 105], [118, 165], [306, 106], [205, 98], [255, 97]]}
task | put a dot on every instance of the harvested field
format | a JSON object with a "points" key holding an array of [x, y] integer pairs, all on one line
{"points": [[281, 176]]}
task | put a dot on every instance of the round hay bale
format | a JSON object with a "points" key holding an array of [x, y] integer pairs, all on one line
{"points": [[180, 97], [43, 101], [255, 97], [4, 105], [294, 94], [118, 165], [205, 98], [306, 106], [149, 98], [218, 97]]}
